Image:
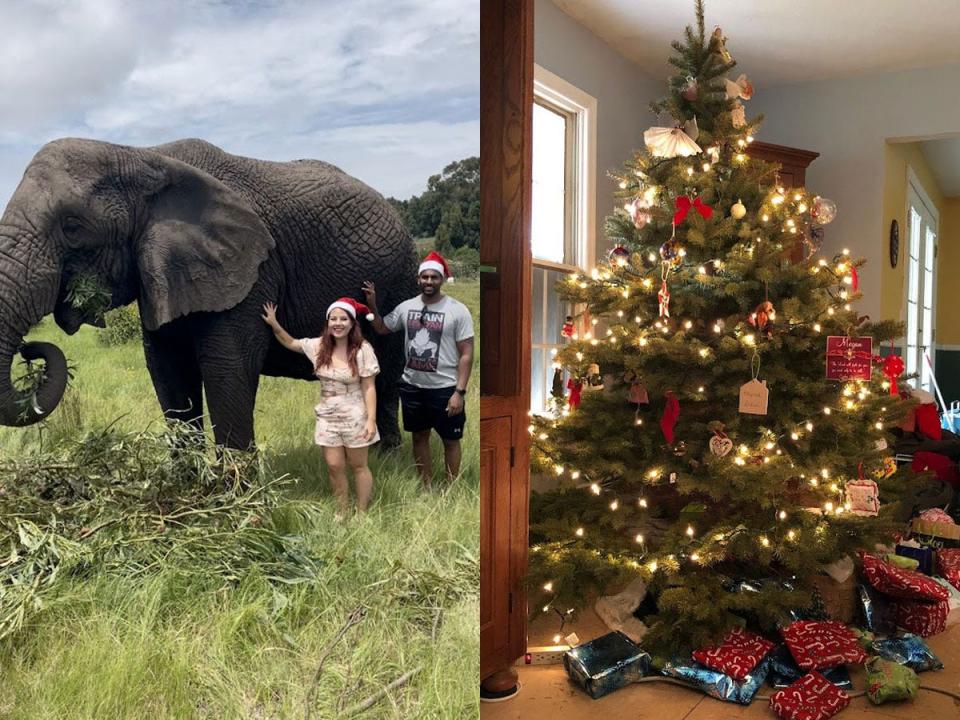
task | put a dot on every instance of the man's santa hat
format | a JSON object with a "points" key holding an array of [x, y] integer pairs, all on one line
{"points": [[435, 261], [351, 307]]}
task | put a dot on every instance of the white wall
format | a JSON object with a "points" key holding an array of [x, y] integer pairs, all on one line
{"points": [[623, 93], [848, 121]]}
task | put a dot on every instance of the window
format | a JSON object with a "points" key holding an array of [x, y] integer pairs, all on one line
{"points": [[921, 276], [562, 222]]}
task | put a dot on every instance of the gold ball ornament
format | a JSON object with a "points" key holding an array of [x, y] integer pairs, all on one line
{"points": [[738, 211]]}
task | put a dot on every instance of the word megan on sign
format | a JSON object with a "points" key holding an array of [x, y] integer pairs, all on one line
{"points": [[849, 358]]}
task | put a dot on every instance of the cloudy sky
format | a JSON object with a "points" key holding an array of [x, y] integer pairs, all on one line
{"points": [[389, 90]]}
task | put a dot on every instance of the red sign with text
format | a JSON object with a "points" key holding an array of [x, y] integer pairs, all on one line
{"points": [[849, 358]]}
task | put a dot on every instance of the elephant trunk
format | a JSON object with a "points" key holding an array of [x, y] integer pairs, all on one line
{"points": [[28, 292]]}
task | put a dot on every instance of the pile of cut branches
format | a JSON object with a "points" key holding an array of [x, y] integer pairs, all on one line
{"points": [[138, 503]]}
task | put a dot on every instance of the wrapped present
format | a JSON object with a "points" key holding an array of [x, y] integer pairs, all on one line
{"points": [[715, 683], [738, 654], [902, 584], [907, 649], [888, 681], [925, 556], [902, 562], [812, 697], [943, 534], [839, 598], [784, 671], [948, 566], [817, 645], [922, 618], [875, 608], [606, 663]]}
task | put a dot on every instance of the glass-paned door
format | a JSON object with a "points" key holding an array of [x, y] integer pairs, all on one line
{"points": [[921, 289]]}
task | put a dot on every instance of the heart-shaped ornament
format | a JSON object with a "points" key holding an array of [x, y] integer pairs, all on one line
{"points": [[720, 446]]}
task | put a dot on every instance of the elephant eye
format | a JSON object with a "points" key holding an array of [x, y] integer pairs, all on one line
{"points": [[71, 228]]}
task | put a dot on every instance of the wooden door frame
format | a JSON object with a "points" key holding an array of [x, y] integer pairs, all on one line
{"points": [[506, 126]]}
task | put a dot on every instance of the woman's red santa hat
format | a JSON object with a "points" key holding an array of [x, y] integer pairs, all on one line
{"points": [[435, 261], [351, 307]]}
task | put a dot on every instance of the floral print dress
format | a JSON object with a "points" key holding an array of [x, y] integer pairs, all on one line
{"points": [[341, 412]]}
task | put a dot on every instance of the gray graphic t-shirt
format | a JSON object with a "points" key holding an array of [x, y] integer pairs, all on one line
{"points": [[431, 334]]}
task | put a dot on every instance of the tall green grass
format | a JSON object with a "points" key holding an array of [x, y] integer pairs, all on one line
{"points": [[172, 645]]}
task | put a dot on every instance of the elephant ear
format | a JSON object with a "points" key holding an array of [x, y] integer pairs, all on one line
{"points": [[201, 248]]}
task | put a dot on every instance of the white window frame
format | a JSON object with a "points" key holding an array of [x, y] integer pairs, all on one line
{"points": [[559, 95], [918, 197]]}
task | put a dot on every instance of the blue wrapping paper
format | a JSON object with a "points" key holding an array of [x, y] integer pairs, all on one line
{"points": [[715, 683], [606, 663], [924, 555], [909, 650], [784, 671], [875, 608]]}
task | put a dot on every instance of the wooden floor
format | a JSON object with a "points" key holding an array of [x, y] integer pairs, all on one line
{"points": [[546, 694]]}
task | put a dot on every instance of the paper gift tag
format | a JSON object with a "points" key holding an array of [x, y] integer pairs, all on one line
{"points": [[753, 397]]}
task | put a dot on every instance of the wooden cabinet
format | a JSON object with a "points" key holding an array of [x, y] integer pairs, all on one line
{"points": [[506, 114], [793, 173], [793, 162]]}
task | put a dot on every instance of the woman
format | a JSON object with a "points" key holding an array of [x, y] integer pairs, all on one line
{"points": [[347, 413]]}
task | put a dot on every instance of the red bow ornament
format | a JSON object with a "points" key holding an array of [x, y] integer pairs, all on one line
{"points": [[684, 204]]}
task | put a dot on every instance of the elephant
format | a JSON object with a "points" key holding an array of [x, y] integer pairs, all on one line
{"points": [[200, 239]]}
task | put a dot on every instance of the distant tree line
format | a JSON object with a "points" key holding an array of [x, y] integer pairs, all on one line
{"points": [[449, 209]]}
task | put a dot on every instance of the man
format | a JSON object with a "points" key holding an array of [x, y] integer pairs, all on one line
{"points": [[438, 344]]}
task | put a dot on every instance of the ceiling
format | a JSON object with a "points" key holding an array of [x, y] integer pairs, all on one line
{"points": [[943, 158], [785, 41]]}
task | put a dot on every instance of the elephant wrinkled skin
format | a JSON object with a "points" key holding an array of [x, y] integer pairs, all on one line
{"points": [[200, 239]]}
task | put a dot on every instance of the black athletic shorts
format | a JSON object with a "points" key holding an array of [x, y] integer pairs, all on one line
{"points": [[426, 409]]}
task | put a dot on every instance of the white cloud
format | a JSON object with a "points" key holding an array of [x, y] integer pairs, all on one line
{"points": [[382, 88]]}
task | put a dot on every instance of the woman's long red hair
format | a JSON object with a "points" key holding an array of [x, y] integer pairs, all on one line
{"points": [[327, 343]]}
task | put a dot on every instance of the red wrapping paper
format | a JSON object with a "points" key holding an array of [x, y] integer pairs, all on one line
{"points": [[817, 645], [921, 618], [900, 583], [737, 655], [948, 565], [812, 697]]}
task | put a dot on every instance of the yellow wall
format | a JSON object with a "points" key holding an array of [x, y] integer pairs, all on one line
{"points": [[948, 268], [898, 156]]}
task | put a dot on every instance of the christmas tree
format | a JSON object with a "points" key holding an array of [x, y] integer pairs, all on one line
{"points": [[717, 450]]}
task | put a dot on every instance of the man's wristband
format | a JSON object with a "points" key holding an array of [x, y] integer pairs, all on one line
{"points": [[461, 393]]}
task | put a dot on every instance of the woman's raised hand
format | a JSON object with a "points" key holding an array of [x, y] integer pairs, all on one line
{"points": [[270, 314]]}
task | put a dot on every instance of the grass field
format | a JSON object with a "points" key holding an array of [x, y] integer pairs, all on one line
{"points": [[170, 645]]}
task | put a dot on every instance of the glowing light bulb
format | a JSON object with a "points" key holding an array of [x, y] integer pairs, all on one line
{"points": [[548, 587], [828, 506], [575, 475], [642, 342], [765, 541], [688, 324], [642, 502], [595, 488], [776, 199], [827, 411], [824, 473], [802, 207], [791, 535], [654, 473], [690, 531], [764, 217], [689, 171], [700, 389], [704, 352], [830, 311], [782, 515], [695, 557], [638, 421], [809, 427], [558, 469], [769, 446], [740, 157], [816, 327], [543, 436], [706, 167], [749, 138], [614, 505], [878, 425], [749, 339], [647, 283], [652, 565], [639, 539], [717, 328], [794, 436], [579, 532]]}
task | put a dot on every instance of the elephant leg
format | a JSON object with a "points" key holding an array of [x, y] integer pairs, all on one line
{"points": [[230, 363], [175, 372], [389, 349]]}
